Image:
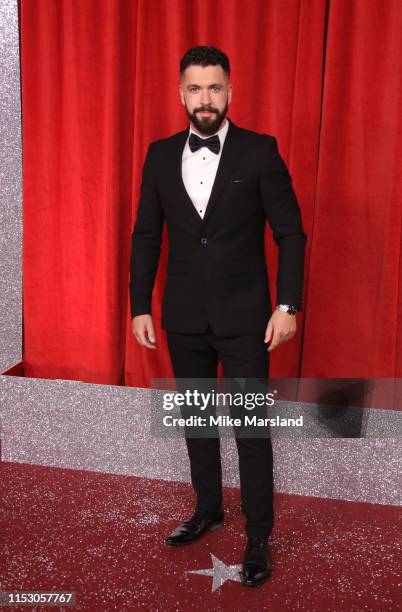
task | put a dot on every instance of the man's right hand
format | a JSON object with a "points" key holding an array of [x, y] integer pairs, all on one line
{"points": [[143, 330]]}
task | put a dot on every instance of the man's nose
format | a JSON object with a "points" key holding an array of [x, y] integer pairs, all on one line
{"points": [[205, 97]]}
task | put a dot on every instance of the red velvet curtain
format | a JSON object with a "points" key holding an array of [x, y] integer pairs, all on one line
{"points": [[100, 81], [353, 319]]}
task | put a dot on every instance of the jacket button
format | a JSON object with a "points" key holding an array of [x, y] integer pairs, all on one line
{"points": [[204, 241]]}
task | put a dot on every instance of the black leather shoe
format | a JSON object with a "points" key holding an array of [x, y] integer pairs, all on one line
{"points": [[256, 564], [195, 527]]}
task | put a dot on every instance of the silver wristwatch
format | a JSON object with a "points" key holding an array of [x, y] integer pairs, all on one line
{"points": [[287, 308]]}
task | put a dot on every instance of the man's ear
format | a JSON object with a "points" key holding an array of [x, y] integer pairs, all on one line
{"points": [[230, 93], [181, 94]]}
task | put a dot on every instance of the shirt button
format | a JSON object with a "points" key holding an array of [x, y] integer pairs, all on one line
{"points": [[201, 182], [204, 241]]}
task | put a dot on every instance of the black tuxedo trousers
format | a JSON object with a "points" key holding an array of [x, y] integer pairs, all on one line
{"points": [[196, 356]]}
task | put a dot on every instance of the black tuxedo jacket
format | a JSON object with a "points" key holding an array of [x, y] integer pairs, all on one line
{"points": [[216, 271]]}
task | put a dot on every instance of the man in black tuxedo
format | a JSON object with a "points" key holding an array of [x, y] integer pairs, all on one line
{"points": [[216, 185]]}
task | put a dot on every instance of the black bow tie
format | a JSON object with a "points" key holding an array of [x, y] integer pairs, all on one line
{"points": [[213, 143]]}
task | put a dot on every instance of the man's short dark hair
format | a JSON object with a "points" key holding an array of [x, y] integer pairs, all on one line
{"points": [[204, 56]]}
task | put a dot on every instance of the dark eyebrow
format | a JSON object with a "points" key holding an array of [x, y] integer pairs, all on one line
{"points": [[213, 85]]}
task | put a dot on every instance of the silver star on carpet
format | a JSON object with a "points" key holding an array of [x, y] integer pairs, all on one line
{"points": [[220, 572]]}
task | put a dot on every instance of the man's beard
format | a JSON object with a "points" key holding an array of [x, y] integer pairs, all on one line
{"points": [[207, 125]]}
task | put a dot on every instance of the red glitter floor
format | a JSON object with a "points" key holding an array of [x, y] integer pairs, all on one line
{"points": [[101, 536]]}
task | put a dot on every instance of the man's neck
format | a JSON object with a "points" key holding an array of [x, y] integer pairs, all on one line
{"points": [[204, 135]]}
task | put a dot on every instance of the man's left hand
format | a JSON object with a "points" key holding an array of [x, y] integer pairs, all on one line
{"points": [[281, 327]]}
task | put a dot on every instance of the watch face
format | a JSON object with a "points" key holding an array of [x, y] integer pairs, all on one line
{"points": [[288, 309]]}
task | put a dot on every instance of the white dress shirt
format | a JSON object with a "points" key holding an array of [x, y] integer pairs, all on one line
{"points": [[199, 169]]}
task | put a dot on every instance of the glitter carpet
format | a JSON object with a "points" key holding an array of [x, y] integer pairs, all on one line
{"points": [[101, 535]]}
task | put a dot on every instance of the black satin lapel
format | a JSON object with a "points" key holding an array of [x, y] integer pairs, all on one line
{"points": [[229, 157], [179, 176]]}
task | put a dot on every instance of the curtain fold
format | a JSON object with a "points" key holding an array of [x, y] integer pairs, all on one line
{"points": [[353, 318], [100, 81], [77, 107]]}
